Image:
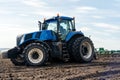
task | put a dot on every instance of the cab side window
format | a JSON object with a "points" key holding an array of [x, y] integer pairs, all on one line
{"points": [[65, 27]]}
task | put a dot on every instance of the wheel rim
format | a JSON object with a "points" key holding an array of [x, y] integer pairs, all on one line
{"points": [[35, 55], [86, 50]]}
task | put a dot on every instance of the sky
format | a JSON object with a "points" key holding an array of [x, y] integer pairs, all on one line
{"points": [[99, 19]]}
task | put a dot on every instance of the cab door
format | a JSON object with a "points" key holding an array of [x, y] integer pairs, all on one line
{"points": [[65, 26]]}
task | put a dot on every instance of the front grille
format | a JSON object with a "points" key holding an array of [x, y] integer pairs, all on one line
{"points": [[28, 36], [19, 39], [37, 35]]}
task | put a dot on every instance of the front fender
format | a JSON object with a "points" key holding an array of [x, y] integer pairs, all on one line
{"points": [[22, 46]]}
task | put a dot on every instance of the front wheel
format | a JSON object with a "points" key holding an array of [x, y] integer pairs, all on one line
{"points": [[17, 60], [83, 49], [35, 54]]}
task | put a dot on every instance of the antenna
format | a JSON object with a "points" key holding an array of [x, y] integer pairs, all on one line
{"points": [[39, 25]]}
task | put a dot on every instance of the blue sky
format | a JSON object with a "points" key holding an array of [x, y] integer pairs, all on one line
{"points": [[99, 19]]}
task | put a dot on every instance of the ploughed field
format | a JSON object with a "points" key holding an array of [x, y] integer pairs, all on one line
{"points": [[106, 67]]}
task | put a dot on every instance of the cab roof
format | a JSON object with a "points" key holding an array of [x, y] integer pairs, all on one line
{"points": [[61, 17]]}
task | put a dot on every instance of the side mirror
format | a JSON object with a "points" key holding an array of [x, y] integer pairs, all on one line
{"points": [[39, 24]]}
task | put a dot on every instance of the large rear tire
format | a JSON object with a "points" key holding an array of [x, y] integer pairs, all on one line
{"points": [[69, 46], [35, 54], [83, 50]]}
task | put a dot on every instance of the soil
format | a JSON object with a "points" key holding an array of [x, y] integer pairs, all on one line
{"points": [[106, 67]]}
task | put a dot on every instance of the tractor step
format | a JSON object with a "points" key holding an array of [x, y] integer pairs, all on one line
{"points": [[65, 53]]}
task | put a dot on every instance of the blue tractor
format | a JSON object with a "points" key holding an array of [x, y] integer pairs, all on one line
{"points": [[56, 39]]}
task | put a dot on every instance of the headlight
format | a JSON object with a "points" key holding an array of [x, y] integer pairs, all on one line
{"points": [[19, 38]]}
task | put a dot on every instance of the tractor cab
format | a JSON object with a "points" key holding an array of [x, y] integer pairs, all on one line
{"points": [[60, 25]]}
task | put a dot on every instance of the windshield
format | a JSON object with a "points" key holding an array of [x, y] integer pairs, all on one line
{"points": [[50, 25], [66, 24]]}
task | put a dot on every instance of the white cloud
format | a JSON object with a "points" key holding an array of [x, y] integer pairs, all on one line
{"points": [[15, 29], [99, 33], [85, 9], [46, 13], [84, 29], [34, 3], [75, 0], [107, 26], [5, 11], [23, 15], [112, 31], [98, 17], [117, 15], [117, 0], [42, 8]]}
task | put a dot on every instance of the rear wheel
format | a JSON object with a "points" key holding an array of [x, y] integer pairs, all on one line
{"points": [[83, 49], [35, 54], [70, 43]]}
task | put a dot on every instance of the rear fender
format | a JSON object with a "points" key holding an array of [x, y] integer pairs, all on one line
{"points": [[72, 34]]}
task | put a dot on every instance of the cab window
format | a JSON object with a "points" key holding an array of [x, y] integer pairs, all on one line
{"points": [[51, 25]]}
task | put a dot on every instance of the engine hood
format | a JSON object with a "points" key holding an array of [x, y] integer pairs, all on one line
{"points": [[44, 35]]}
